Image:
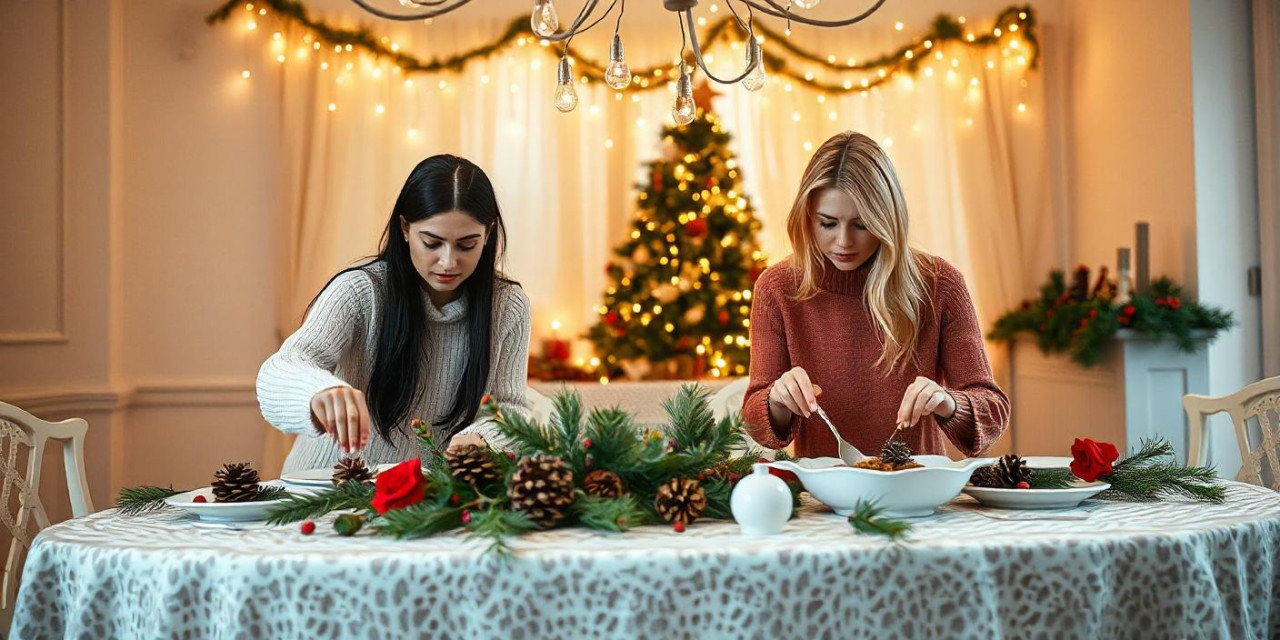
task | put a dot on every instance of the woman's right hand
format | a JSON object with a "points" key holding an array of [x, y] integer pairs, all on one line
{"points": [[795, 393], [341, 413]]}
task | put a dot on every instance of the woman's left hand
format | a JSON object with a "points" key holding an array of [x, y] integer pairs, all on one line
{"points": [[922, 398]]}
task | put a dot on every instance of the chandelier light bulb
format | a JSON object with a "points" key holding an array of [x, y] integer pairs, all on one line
{"points": [[544, 21], [755, 58], [566, 96], [684, 110], [617, 75]]}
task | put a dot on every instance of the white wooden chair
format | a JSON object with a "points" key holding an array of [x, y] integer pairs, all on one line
{"points": [[20, 429], [1259, 401]]}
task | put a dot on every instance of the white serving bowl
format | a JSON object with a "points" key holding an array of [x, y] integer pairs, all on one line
{"points": [[903, 494]]}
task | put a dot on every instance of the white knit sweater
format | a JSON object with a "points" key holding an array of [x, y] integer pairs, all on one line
{"points": [[336, 345]]}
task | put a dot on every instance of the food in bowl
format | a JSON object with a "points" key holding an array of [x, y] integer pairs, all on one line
{"points": [[896, 455], [879, 464]]}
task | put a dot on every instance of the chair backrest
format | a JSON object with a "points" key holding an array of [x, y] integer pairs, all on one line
{"points": [[19, 429], [1260, 461]]}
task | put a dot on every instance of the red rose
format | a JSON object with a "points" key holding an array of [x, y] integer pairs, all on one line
{"points": [[399, 487], [696, 228], [1092, 460]]}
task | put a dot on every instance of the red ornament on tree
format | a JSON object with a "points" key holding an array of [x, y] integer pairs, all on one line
{"points": [[611, 318], [723, 318], [695, 228], [754, 273]]}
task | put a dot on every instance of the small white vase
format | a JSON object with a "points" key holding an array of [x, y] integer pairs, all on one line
{"points": [[761, 503]]}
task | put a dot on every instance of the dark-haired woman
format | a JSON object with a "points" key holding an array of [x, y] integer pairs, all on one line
{"points": [[425, 329]]}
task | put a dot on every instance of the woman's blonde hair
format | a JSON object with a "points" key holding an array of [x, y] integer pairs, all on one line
{"points": [[895, 291]]}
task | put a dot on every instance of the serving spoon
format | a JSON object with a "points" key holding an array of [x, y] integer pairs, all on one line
{"points": [[849, 454]]}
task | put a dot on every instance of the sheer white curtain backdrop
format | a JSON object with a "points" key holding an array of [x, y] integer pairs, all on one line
{"points": [[967, 135]]}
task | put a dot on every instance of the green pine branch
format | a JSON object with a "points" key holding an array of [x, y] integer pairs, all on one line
{"points": [[348, 495], [497, 525], [418, 521], [611, 514], [868, 518], [138, 500], [1051, 479]]}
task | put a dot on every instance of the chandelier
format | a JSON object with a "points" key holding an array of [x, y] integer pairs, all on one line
{"points": [[545, 22]]}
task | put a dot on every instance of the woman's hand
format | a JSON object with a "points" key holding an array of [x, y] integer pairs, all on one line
{"points": [[464, 439], [922, 398], [342, 413], [793, 393]]}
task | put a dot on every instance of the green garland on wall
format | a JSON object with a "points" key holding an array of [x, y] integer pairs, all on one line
{"points": [[1071, 320], [908, 58]]}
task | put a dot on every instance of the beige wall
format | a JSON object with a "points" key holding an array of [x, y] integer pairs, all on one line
{"points": [[1130, 153], [163, 162]]}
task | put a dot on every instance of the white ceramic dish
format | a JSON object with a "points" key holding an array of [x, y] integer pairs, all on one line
{"points": [[321, 477], [1037, 498], [223, 512], [904, 494]]}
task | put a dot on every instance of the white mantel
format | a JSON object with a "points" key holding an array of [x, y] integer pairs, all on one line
{"points": [[1134, 393]]}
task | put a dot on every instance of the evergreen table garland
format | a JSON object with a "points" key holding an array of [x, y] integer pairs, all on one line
{"points": [[592, 469]]}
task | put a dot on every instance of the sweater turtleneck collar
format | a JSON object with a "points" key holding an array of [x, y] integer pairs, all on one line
{"points": [[849, 283], [451, 312]]}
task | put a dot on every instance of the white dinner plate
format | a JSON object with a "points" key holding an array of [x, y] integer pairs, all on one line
{"points": [[1036, 498], [321, 477], [1048, 462], [211, 511]]}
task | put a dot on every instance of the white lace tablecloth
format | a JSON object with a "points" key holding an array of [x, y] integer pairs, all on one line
{"points": [[1172, 570]]}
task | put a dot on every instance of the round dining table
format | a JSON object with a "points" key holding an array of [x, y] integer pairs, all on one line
{"points": [[1173, 569]]}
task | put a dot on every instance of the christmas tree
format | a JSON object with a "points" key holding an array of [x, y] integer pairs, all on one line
{"points": [[678, 301]]}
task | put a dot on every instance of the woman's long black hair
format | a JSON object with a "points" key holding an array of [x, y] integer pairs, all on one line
{"points": [[440, 184]]}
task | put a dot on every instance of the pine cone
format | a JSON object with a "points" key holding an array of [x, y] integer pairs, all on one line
{"points": [[542, 487], [472, 464], [236, 482], [680, 500], [1006, 473], [603, 484], [896, 452], [1011, 470], [984, 477], [351, 469]]}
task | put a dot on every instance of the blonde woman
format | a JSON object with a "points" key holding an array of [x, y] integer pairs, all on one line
{"points": [[855, 320]]}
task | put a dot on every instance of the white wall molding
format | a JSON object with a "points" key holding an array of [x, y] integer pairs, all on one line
{"points": [[222, 393], [58, 334], [157, 394]]}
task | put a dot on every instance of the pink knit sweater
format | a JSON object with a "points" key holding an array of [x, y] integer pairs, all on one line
{"points": [[834, 337]]}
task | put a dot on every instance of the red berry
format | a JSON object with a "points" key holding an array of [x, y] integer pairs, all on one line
{"points": [[1024, 485], [466, 516], [1049, 313], [678, 526], [511, 456], [199, 499], [308, 528], [486, 399], [455, 499], [1174, 303], [1093, 313], [1042, 326], [586, 444], [1129, 310]]}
